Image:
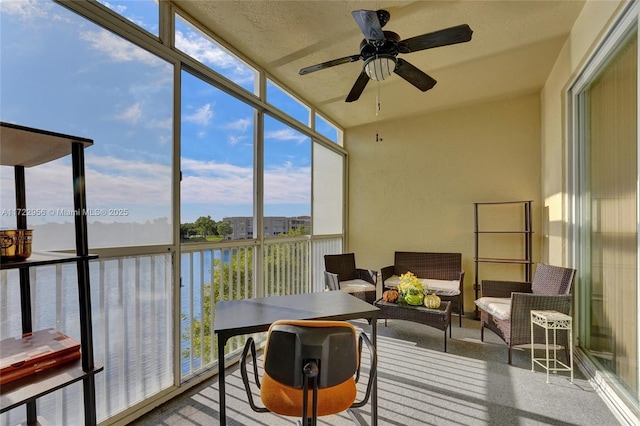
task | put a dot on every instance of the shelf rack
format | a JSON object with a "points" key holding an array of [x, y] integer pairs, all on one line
{"points": [[525, 233], [23, 147]]}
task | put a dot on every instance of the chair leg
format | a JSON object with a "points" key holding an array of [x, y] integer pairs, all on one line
{"points": [[481, 332], [509, 362]]}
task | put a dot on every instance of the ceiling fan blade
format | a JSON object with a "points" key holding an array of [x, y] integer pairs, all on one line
{"points": [[369, 24], [329, 64], [414, 76], [358, 87], [447, 36]]}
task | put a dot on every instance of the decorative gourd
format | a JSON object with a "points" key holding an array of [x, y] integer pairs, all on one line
{"points": [[432, 301], [414, 299], [390, 296]]}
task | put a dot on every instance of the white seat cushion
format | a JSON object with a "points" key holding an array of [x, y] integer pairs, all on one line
{"points": [[441, 287], [499, 307], [355, 286]]}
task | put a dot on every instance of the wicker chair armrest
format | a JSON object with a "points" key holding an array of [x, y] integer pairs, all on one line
{"points": [[331, 281], [368, 275], [386, 272], [530, 301], [494, 288]]}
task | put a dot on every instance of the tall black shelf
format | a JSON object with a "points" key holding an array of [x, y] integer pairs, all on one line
{"points": [[23, 147], [525, 233]]}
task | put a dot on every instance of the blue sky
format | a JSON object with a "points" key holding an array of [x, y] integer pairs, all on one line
{"points": [[62, 73]]}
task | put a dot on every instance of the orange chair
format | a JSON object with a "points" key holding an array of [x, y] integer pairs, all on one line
{"points": [[305, 360]]}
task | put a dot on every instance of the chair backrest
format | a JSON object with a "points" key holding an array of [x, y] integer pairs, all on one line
{"points": [[290, 344], [438, 266], [552, 280], [342, 264], [299, 353]]}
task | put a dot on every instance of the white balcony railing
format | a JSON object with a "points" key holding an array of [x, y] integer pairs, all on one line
{"points": [[132, 306]]}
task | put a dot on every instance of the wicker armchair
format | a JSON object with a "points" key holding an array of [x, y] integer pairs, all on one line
{"points": [[435, 269], [505, 306], [341, 274]]}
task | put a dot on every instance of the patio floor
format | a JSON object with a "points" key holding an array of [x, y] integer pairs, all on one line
{"points": [[418, 384]]}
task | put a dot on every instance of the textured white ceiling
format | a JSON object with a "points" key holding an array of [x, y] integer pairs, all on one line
{"points": [[514, 45]]}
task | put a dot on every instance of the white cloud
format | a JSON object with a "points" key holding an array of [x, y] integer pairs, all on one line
{"points": [[131, 115], [286, 135], [111, 183], [234, 140], [201, 116], [118, 49], [121, 9], [241, 124], [205, 51], [208, 182], [166, 124], [287, 184], [26, 9]]}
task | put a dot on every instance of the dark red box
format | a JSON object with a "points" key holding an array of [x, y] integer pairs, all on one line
{"points": [[34, 352]]}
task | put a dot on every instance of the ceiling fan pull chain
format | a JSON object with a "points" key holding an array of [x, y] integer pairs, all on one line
{"points": [[378, 138]]}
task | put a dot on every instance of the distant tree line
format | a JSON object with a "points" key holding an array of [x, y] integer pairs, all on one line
{"points": [[205, 227]]}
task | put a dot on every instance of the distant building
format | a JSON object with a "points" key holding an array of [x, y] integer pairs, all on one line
{"points": [[273, 225]]}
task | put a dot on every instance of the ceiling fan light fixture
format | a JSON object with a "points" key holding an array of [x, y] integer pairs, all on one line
{"points": [[380, 67]]}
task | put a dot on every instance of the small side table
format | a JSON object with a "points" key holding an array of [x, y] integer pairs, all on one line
{"points": [[551, 320]]}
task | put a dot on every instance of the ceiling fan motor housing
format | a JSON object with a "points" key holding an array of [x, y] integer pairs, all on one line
{"points": [[380, 67], [380, 56]]}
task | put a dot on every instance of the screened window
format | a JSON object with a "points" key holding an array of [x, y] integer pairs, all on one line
{"points": [[282, 100], [329, 130], [202, 48], [328, 178], [216, 163], [143, 13], [70, 76], [287, 180]]}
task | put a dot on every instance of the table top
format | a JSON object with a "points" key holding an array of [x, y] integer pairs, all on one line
{"points": [[550, 315], [440, 310], [257, 314]]}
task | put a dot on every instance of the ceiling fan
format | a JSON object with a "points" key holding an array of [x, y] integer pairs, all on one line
{"points": [[379, 51]]}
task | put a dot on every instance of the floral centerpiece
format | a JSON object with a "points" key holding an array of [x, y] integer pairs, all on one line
{"points": [[410, 289]]}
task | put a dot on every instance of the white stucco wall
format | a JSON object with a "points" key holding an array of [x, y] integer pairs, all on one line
{"points": [[594, 20], [415, 190]]}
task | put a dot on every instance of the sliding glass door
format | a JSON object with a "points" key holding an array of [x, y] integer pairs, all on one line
{"points": [[607, 212]]}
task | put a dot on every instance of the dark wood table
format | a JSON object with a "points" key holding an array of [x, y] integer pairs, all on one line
{"points": [[237, 317], [439, 318]]}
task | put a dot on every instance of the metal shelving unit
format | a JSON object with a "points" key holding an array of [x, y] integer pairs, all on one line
{"points": [[27, 147], [525, 233]]}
